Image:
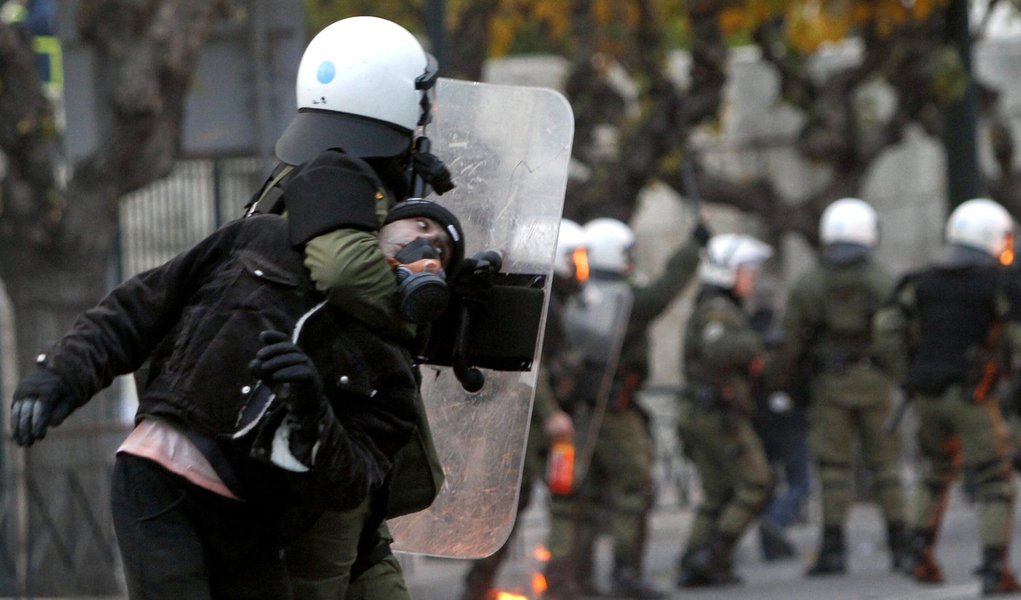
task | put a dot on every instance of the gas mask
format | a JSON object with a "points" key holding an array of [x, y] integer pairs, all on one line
{"points": [[421, 282]]}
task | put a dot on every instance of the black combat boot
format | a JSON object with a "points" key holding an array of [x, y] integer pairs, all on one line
{"points": [[561, 583], [774, 543], [478, 581], [583, 576], [996, 575], [832, 559], [476, 585], [688, 576], [898, 542], [709, 566], [923, 566], [627, 582]]}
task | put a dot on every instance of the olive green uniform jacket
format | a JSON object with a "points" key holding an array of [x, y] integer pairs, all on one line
{"points": [[721, 354], [829, 358]]}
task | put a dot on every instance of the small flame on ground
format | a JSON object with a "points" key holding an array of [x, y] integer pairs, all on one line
{"points": [[539, 584], [501, 595]]}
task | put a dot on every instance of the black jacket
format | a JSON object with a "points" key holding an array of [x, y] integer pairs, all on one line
{"points": [[197, 320]]}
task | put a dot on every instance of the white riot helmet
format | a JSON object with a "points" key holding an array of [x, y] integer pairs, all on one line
{"points": [[571, 250], [610, 246], [849, 230], [726, 253], [849, 220], [360, 87], [980, 224]]}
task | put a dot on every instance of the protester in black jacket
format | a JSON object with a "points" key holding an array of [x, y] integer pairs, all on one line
{"points": [[260, 399]]}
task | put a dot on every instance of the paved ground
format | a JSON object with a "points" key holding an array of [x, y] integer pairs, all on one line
{"points": [[869, 576]]}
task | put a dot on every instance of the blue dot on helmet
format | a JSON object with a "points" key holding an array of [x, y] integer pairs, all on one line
{"points": [[326, 72]]}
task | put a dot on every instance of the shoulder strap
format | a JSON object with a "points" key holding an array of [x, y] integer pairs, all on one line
{"points": [[269, 198]]}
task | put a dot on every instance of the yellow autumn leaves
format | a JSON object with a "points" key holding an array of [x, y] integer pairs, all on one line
{"points": [[806, 24]]}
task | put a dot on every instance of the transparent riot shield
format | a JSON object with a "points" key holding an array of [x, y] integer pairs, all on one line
{"points": [[508, 150], [595, 322]]}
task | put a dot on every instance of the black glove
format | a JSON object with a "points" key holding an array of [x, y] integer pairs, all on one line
{"points": [[473, 282], [283, 366], [433, 171], [701, 234], [773, 338], [416, 250], [42, 400]]}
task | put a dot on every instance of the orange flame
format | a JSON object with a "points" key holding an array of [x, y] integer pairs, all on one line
{"points": [[541, 553], [501, 595], [539, 584], [1007, 255], [580, 259]]}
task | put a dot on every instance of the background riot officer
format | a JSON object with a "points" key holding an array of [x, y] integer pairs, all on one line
{"points": [[549, 422], [618, 475], [950, 334], [723, 357], [827, 328]]}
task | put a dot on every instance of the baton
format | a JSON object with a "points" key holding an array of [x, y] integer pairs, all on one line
{"points": [[691, 186], [893, 421]]}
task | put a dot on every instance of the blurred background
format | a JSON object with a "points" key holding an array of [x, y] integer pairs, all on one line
{"points": [[130, 130]]}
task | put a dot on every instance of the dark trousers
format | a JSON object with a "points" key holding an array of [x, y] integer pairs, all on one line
{"points": [[178, 540], [790, 456]]}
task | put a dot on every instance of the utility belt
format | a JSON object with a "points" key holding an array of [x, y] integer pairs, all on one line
{"points": [[719, 400], [978, 383], [839, 363], [709, 397], [622, 392]]}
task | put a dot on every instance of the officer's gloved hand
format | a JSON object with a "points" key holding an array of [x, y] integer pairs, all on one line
{"points": [[295, 380], [701, 234], [773, 338], [42, 400], [780, 402], [433, 171], [417, 250], [473, 282]]}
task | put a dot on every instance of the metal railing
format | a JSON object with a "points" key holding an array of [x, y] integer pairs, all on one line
{"points": [[58, 535]]}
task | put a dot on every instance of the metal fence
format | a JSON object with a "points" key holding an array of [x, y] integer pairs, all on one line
{"points": [[55, 520], [63, 543], [174, 213]]}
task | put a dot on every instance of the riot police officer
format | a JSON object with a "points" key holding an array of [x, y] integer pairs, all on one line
{"points": [[362, 91], [723, 357], [951, 333], [827, 328], [618, 476]]}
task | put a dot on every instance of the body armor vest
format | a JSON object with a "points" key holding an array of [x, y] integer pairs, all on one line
{"points": [[956, 310]]}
